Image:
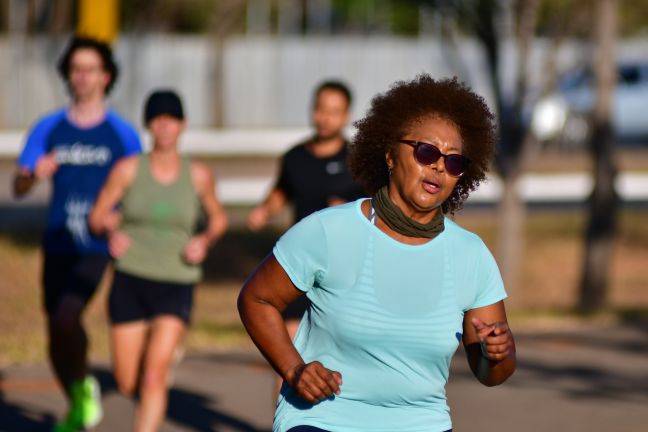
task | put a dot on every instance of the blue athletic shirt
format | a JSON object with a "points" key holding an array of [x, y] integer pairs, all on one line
{"points": [[85, 157], [386, 315]]}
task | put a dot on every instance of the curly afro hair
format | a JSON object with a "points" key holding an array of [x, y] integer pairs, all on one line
{"points": [[102, 48], [395, 112]]}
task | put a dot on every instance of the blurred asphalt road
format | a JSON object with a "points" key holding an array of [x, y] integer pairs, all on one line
{"points": [[587, 378]]}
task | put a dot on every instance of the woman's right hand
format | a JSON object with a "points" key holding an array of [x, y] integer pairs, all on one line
{"points": [[118, 243], [313, 382]]}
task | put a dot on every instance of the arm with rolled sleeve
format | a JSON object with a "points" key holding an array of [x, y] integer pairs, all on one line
{"points": [[298, 262]]}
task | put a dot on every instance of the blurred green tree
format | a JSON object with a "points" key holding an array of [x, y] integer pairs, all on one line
{"points": [[167, 15], [398, 17], [494, 23]]}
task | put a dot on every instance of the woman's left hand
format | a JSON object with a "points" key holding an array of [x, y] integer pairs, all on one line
{"points": [[195, 251], [496, 339], [118, 243]]}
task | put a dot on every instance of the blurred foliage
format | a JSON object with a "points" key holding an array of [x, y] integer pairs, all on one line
{"points": [[564, 16], [633, 18], [376, 16], [405, 18], [4, 14], [167, 15], [398, 17], [574, 17]]}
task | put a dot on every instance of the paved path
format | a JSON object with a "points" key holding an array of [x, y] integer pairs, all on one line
{"points": [[592, 378]]}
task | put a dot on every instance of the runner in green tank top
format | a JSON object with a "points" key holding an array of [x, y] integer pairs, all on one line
{"points": [[157, 254], [159, 217]]}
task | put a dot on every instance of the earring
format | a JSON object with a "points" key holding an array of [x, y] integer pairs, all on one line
{"points": [[389, 170]]}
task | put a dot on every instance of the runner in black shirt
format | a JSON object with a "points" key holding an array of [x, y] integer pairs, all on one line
{"points": [[316, 182], [314, 174]]}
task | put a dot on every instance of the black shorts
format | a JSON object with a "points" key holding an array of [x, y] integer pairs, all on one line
{"points": [[134, 299], [296, 309], [73, 275]]}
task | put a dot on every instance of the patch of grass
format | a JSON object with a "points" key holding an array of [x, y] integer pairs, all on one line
{"points": [[207, 335], [564, 319], [557, 319], [633, 315], [550, 277], [21, 321], [216, 324], [553, 257], [633, 230]]}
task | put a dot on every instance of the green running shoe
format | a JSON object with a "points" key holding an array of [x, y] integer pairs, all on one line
{"points": [[85, 409]]}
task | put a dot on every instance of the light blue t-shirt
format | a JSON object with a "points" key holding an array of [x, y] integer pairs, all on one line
{"points": [[386, 315]]}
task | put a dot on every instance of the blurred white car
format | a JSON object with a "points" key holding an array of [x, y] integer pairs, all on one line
{"points": [[565, 114]]}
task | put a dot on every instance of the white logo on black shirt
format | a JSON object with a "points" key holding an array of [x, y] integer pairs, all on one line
{"points": [[334, 167]]}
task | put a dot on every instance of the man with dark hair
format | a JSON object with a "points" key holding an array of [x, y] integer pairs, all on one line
{"points": [[75, 147], [314, 173], [101, 48]]}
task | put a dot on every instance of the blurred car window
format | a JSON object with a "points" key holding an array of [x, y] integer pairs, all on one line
{"points": [[564, 115]]}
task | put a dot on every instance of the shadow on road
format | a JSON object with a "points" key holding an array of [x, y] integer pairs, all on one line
{"points": [[581, 381], [590, 375], [16, 418], [191, 410]]}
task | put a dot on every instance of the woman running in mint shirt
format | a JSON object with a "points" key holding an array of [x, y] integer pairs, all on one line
{"points": [[75, 147], [394, 284]]}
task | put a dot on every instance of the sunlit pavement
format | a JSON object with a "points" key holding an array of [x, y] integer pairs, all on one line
{"points": [[589, 378], [211, 392]]}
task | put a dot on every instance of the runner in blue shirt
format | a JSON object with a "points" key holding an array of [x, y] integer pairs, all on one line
{"points": [[75, 147]]}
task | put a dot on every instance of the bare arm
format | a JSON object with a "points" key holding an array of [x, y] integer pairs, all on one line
{"points": [[273, 204], [262, 299], [24, 180], [489, 344], [103, 218], [205, 185]]}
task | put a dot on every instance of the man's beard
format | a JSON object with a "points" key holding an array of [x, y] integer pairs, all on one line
{"points": [[327, 137]]}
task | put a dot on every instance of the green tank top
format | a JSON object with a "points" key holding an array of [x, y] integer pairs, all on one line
{"points": [[160, 219]]}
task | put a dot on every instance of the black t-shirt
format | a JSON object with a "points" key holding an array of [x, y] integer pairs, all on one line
{"points": [[310, 182]]}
